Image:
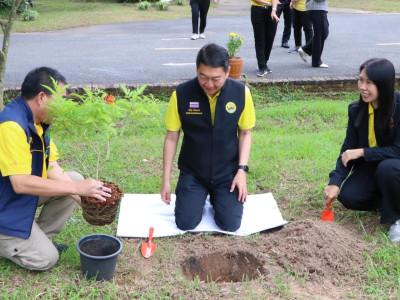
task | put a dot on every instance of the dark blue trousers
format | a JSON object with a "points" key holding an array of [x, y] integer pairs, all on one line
{"points": [[199, 8], [284, 8], [374, 186], [191, 194], [314, 47]]}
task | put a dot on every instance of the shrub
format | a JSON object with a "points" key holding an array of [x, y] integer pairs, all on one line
{"points": [[180, 2], [29, 15], [145, 5], [162, 5]]}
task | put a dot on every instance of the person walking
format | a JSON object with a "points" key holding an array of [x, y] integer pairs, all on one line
{"points": [[284, 7], [199, 10], [317, 13], [367, 173], [264, 21], [216, 115], [30, 177], [300, 21]]}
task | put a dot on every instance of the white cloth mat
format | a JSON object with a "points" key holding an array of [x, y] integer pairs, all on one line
{"points": [[139, 212]]}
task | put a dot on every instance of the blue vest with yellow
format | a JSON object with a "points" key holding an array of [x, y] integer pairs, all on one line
{"points": [[17, 211], [210, 152]]}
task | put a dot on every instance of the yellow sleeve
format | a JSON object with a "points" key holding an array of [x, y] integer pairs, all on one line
{"points": [[248, 118], [172, 118], [15, 154], [53, 151]]}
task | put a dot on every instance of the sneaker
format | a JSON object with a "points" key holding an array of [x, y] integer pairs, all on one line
{"points": [[285, 45], [302, 54], [394, 232], [323, 66], [293, 49], [202, 36], [195, 36], [267, 70], [262, 72], [60, 247]]}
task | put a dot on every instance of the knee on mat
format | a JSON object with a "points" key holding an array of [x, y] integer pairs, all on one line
{"points": [[228, 224], [186, 224]]}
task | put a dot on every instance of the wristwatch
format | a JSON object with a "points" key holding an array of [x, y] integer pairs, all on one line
{"points": [[244, 167]]}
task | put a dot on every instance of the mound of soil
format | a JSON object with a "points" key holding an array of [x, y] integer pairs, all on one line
{"points": [[317, 249]]}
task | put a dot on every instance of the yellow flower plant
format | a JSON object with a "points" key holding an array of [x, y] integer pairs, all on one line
{"points": [[234, 43]]}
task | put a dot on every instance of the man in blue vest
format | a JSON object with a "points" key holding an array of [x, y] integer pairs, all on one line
{"points": [[30, 177], [216, 115]]}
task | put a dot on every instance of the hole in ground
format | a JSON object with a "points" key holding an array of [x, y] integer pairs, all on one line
{"points": [[224, 267]]}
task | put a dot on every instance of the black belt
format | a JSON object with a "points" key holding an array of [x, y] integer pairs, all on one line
{"points": [[262, 7]]}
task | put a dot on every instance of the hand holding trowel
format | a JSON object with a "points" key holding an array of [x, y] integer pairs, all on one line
{"points": [[327, 214], [149, 247]]}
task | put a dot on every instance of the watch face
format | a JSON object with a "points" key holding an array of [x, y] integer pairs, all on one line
{"points": [[245, 168]]}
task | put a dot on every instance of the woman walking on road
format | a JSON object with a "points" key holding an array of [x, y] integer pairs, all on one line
{"points": [[199, 10], [264, 21]]}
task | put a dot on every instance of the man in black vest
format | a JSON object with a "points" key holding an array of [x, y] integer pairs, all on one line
{"points": [[216, 115], [30, 177]]}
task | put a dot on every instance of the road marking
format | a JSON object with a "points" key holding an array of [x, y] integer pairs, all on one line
{"points": [[388, 44], [194, 48], [174, 39], [179, 64]]}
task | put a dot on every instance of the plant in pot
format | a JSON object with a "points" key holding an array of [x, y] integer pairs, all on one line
{"points": [[236, 63], [97, 118]]}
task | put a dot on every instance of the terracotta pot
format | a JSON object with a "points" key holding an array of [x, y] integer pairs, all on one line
{"points": [[101, 213], [236, 64]]}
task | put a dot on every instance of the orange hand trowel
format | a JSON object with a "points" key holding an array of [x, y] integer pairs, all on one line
{"points": [[327, 214], [149, 247]]}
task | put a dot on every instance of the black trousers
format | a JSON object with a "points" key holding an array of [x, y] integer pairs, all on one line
{"points": [[314, 47], [264, 29], [199, 8], [374, 186], [191, 194], [284, 8], [301, 21]]}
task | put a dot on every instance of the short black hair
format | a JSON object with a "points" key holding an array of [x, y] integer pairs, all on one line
{"points": [[36, 79], [213, 55]]}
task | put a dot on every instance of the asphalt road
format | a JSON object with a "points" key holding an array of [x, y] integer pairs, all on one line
{"points": [[160, 52]]}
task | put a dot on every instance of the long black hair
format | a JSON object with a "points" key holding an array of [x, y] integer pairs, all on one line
{"points": [[381, 72]]}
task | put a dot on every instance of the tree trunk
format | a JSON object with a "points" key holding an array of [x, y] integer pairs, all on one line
{"points": [[6, 27]]}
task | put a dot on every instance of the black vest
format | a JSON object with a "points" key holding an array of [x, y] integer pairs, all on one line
{"points": [[17, 211], [210, 152]]}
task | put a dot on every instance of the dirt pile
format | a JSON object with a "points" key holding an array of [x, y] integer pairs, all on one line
{"points": [[317, 249]]}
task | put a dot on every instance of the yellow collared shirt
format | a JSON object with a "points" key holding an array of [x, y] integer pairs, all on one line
{"points": [[246, 121], [15, 155]]}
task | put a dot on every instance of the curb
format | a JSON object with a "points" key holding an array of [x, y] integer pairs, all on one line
{"points": [[311, 85]]}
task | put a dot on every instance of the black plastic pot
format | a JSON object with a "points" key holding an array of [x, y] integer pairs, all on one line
{"points": [[98, 254]]}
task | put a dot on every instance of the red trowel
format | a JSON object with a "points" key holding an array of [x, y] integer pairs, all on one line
{"points": [[149, 247], [327, 214]]}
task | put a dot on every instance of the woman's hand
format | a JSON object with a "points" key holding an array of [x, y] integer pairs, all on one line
{"points": [[331, 193], [351, 154]]}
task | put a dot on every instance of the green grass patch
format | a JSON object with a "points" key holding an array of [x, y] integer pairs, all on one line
{"points": [[295, 146]]}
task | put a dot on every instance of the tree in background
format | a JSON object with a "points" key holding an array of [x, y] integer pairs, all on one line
{"points": [[6, 23]]}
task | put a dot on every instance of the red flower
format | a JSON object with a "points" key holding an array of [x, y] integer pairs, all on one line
{"points": [[109, 99]]}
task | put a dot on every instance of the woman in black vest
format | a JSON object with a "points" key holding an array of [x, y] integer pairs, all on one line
{"points": [[371, 150]]}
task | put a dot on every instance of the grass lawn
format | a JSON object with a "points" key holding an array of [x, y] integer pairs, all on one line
{"points": [[295, 144], [62, 14]]}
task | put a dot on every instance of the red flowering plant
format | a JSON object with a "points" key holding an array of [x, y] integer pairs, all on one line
{"points": [[97, 117]]}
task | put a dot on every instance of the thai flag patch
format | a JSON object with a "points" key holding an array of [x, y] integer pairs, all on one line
{"points": [[193, 104]]}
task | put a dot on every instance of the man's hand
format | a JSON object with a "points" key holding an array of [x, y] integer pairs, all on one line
{"points": [[240, 183], [351, 154], [331, 193], [166, 192], [93, 188]]}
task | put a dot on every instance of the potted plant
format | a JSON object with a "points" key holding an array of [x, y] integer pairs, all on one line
{"points": [[236, 63], [97, 118]]}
